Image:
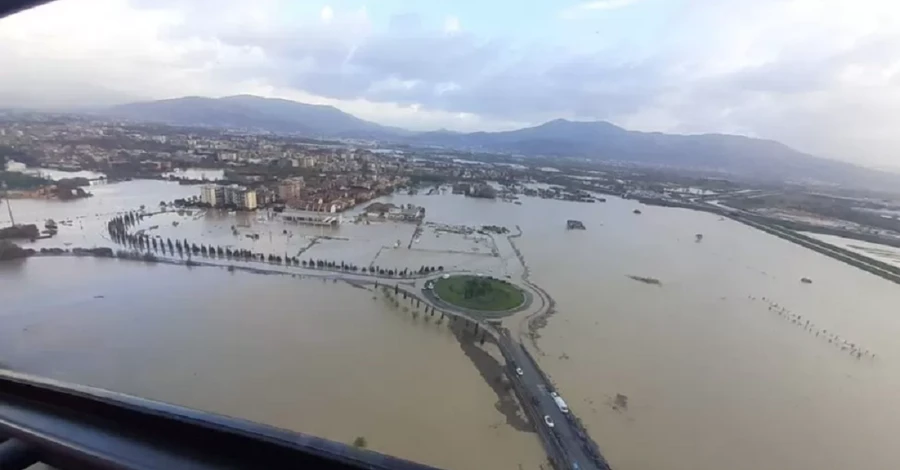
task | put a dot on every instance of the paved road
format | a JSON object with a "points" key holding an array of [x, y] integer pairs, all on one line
{"points": [[566, 445], [571, 446]]}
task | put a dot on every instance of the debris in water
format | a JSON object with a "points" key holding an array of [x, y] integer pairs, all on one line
{"points": [[574, 224], [621, 402], [806, 280], [647, 280]]}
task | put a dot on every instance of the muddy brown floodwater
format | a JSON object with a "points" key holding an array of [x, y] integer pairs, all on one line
{"points": [[319, 357], [730, 362]]}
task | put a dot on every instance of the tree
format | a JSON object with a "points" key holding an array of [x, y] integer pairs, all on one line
{"points": [[360, 442], [441, 268]]}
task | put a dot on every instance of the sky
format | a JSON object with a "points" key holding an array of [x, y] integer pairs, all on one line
{"points": [[822, 76]]}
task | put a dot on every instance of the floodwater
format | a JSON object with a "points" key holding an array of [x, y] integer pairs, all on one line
{"points": [[197, 174], [318, 357], [885, 253], [720, 368]]}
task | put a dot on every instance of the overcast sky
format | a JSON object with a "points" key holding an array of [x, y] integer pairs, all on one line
{"points": [[820, 75]]}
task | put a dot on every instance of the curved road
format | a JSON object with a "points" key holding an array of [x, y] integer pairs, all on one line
{"points": [[567, 444]]}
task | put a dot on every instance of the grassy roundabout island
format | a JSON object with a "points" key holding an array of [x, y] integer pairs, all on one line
{"points": [[479, 293]]}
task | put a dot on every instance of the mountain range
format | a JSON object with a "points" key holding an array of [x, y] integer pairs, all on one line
{"points": [[596, 140]]}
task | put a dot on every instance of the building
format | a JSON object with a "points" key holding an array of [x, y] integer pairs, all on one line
{"points": [[212, 194], [311, 217], [290, 189], [234, 195], [249, 202]]}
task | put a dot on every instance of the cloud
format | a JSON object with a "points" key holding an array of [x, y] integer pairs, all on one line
{"points": [[327, 14], [581, 9], [820, 75], [451, 24]]}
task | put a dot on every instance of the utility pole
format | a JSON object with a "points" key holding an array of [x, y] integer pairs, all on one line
{"points": [[8, 206]]}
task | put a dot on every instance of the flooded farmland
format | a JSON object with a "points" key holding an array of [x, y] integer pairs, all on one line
{"points": [[730, 362]]}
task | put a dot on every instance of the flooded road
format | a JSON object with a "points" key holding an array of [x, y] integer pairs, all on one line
{"points": [[318, 357], [731, 362]]}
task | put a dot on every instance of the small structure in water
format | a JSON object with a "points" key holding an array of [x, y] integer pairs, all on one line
{"points": [[806, 280], [647, 280], [699, 237], [637, 211], [572, 224]]}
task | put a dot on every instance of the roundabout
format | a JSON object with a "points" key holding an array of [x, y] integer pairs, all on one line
{"points": [[478, 296]]}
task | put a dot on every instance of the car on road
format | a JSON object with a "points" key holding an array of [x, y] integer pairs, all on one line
{"points": [[560, 403], [520, 371], [548, 421]]}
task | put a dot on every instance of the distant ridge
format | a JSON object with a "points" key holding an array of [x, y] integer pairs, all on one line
{"points": [[596, 140]]}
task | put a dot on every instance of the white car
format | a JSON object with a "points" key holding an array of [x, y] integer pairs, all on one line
{"points": [[548, 421], [520, 371], [554, 394]]}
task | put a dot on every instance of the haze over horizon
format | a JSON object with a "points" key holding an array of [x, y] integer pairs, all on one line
{"points": [[817, 75]]}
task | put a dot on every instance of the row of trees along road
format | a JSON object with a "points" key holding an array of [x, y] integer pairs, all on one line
{"points": [[118, 229]]}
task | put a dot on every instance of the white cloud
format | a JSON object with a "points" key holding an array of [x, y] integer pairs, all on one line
{"points": [[451, 25], [580, 10], [820, 75], [327, 14]]}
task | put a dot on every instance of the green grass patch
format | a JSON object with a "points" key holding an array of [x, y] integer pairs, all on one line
{"points": [[479, 293]]}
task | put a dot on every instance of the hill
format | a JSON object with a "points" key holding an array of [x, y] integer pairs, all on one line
{"points": [[253, 113], [596, 140]]}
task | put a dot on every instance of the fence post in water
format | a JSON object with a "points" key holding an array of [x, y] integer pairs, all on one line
{"points": [[418, 303], [482, 338], [476, 328], [396, 289]]}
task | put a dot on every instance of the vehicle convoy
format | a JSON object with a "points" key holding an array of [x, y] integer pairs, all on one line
{"points": [[560, 402]]}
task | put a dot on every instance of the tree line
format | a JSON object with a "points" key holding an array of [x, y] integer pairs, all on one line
{"points": [[118, 229]]}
